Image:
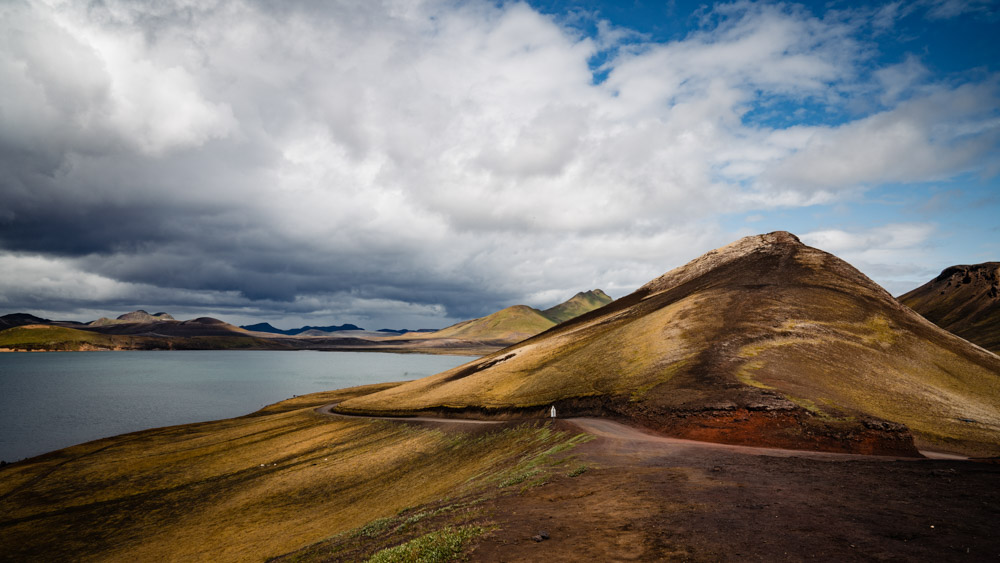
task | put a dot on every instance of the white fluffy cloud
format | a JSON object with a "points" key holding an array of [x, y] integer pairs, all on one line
{"points": [[893, 253], [453, 156]]}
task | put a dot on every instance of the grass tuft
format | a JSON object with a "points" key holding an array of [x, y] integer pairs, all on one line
{"points": [[435, 547]]}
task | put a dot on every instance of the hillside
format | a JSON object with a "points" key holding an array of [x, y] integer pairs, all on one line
{"points": [[765, 341], [964, 300], [20, 319], [516, 323], [512, 324], [139, 316], [581, 303]]}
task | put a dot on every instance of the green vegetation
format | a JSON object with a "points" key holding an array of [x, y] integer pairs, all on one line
{"points": [[519, 322], [579, 304], [434, 547], [512, 324], [46, 337]]}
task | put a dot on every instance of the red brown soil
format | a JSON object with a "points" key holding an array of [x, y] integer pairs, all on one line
{"points": [[792, 430], [648, 498]]}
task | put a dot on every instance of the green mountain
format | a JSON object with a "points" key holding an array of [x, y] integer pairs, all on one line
{"points": [[581, 303], [516, 323]]}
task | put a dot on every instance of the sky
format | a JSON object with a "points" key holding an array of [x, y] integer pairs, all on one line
{"points": [[410, 164]]}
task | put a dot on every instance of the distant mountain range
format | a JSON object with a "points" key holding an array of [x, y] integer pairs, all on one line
{"points": [[266, 327], [139, 330]]}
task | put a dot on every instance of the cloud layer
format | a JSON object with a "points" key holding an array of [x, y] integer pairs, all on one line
{"points": [[403, 161]]}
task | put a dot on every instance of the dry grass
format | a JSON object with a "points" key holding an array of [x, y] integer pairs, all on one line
{"points": [[244, 488]]}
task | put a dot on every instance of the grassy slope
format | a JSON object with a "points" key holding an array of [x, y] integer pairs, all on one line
{"points": [[577, 305], [47, 337], [964, 300], [514, 324], [243, 488], [755, 325], [510, 325]]}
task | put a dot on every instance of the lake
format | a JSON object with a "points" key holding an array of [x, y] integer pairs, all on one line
{"points": [[57, 399]]}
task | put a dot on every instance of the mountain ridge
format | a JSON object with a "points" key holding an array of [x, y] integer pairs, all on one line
{"points": [[962, 299]]}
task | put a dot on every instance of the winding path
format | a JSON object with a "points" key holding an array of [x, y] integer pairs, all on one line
{"points": [[629, 439]]}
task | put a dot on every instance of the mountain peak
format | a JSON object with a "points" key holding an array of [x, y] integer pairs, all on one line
{"points": [[142, 316], [777, 241], [581, 303]]}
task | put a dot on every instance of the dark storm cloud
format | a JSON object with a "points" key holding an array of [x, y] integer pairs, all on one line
{"points": [[420, 161]]}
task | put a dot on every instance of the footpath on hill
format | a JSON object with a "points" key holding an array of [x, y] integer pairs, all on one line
{"points": [[649, 497]]}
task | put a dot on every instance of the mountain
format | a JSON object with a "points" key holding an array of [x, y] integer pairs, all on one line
{"points": [[266, 327], [765, 341], [512, 324], [139, 316], [20, 319], [518, 322], [964, 300], [577, 305]]}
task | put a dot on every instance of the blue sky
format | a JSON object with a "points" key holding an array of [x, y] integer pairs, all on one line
{"points": [[410, 164]]}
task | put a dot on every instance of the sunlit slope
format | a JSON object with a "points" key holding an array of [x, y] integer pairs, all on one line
{"points": [[48, 337], [247, 488], [516, 323], [581, 303], [764, 341], [964, 300], [511, 325]]}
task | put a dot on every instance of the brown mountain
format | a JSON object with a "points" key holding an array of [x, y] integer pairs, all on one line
{"points": [[964, 300], [20, 319], [765, 341], [139, 316]]}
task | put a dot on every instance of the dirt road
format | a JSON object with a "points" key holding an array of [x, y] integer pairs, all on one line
{"points": [[646, 497]]}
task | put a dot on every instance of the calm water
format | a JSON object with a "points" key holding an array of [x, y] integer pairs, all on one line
{"points": [[53, 400]]}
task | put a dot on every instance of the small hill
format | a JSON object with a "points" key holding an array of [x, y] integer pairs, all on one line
{"points": [[581, 303], [139, 316], [512, 324], [202, 326], [765, 341], [964, 300], [516, 323], [21, 319]]}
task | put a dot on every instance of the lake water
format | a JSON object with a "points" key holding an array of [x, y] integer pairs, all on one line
{"points": [[53, 400]]}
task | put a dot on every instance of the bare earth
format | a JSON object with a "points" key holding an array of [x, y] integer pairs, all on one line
{"points": [[646, 497]]}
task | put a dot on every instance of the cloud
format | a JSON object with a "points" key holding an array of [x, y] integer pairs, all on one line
{"points": [[894, 253], [442, 158], [931, 137]]}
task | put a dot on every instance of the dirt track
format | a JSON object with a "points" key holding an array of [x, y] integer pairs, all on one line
{"points": [[647, 497]]}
